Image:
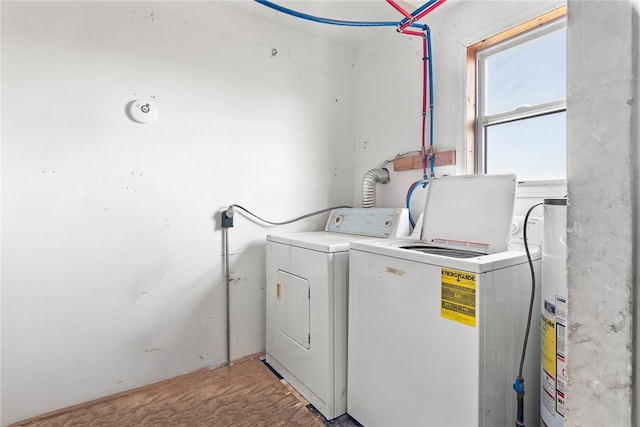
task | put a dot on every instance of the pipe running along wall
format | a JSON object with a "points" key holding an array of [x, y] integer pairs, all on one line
{"points": [[410, 18], [341, 22], [403, 26]]}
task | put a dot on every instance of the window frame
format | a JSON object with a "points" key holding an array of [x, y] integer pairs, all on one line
{"points": [[477, 121]]}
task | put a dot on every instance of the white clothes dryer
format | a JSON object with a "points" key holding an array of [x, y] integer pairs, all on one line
{"points": [[306, 297], [437, 323]]}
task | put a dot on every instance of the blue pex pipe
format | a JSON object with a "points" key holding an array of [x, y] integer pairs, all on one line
{"points": [[412, 188], [422, 27], [428, 36], [419, 10], [332, 21]]}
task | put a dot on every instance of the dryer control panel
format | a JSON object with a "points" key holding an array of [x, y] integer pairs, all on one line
{"points": [[374, 222]]}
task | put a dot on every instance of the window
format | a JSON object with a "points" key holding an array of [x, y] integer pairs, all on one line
{"points": [[519, 116]]}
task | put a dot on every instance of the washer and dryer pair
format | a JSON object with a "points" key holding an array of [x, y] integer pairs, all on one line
{"points": [[307, 289], [436, 321]]}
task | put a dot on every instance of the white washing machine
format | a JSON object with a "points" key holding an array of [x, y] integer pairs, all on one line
{"points": [[437, 321], [307, 289]]}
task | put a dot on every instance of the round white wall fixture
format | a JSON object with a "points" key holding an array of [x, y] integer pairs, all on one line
{"points": [[143, 111]]}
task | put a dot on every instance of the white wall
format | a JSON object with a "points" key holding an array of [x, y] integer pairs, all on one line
{"points": [[112, 269], [389, 89], [111, 251]]}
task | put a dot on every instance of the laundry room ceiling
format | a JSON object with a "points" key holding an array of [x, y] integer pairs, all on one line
{"points": [[346, 10]]}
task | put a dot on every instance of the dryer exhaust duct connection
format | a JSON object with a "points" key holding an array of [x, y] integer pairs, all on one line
{"points": [[369, 181]]}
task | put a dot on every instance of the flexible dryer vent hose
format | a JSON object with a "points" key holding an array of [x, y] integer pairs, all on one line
{"points": [[369, 181]]}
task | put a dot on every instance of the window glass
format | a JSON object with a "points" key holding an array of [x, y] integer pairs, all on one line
{"points": [[534, 149], [521, 102], [527, 73]]}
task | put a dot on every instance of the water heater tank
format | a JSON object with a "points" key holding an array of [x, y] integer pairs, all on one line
{"points": [[553, 356]]}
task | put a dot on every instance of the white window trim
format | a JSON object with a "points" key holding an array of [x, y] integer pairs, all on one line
{"points": [[524, 112]]}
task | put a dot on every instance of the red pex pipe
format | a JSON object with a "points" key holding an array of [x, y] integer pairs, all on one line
{"points": [[403, 29], [424, 104], [423, 150], [405, 25], [421, 15], [429, 10], [399, 8], [411, 33]]}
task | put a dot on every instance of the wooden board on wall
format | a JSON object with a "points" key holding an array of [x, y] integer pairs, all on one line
{"points": [[442, 158]]}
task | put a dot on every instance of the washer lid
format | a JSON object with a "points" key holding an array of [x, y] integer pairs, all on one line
{"points": [[470, 212]]}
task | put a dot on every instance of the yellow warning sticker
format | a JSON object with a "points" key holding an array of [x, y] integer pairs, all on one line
{"points": [[548, 361], [548, 344], [458, 296]]}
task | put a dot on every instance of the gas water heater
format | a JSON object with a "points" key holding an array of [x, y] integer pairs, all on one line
{"points": [[553, 356]]}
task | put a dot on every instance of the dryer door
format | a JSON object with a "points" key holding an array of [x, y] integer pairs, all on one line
{"points": [[292, 307], [306, 323]]}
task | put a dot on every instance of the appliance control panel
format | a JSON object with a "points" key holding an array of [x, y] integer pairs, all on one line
{"points": [[374, 222], [534, 231]]}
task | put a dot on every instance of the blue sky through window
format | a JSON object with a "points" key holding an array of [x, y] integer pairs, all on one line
{"points": [[534, 149], [528, 74]]}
